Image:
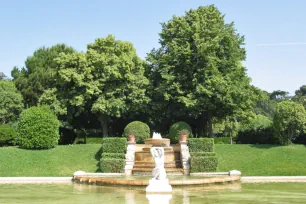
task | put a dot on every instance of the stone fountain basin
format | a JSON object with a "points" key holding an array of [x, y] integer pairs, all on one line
{"points": [[164, 142], [144, 181]]}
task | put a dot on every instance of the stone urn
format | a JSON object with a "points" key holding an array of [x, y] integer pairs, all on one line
{"points": [[131, 138], [183, 135]]}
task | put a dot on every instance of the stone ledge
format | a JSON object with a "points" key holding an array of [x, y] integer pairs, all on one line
{"points": [[271, 179]]}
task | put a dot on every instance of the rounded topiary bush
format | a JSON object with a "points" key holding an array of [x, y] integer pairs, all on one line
{"points": [[37, 128], [175, 130], [139, 129]]}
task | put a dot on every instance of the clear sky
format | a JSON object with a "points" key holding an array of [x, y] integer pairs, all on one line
{"points": [[275, 31]]}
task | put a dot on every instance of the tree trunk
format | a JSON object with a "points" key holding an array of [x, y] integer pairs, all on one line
{"points": [[104, 125], [231, 138], [202, 127], [209, 124]]}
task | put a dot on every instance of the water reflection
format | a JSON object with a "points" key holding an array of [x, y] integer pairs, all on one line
{"points": [[223, 194], [132, 195]]}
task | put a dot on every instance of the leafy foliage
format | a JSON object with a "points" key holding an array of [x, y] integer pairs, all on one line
{"points": [[289, 120], [257, 130], [39, 73], [107, 80], [38, 128], [112, 165], [222, 140], [201, 144], [202, 154], [2, 76], [10, 102], [203, 163], [139, 129], [197, 71], [114, 145], [7, 134], [175, 130], [113, 155]]}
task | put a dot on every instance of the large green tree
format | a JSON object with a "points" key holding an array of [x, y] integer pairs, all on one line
{"points": [[38, 73], [197, 71], [10, 102], [300, 96], [289, 121], [108, 80]]}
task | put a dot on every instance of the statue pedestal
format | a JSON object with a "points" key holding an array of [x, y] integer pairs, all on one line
{"points": [[159, 186]]}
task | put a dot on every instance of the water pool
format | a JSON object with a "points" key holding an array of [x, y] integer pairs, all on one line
{"points": [[80, 193]]}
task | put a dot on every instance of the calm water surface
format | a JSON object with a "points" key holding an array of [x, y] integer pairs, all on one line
{"points": [[81, 193]]}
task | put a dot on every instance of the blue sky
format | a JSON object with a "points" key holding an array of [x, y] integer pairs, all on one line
{"points": [[275, 31]]}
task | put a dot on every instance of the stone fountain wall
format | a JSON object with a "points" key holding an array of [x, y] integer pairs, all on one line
{"points": [[139, 159]]}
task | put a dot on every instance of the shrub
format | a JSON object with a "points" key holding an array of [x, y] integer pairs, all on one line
{"points": [[222, 140], [106, 155], [114, 145], [256, 131], [139, 129], [175, 130], [7, 134], [111, 165], [202, 154], [203, 163], [201, 144], [38, 128], [289, 121]]}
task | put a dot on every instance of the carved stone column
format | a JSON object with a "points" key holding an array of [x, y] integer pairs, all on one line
{"points": [[129, 158], [185, 157]]}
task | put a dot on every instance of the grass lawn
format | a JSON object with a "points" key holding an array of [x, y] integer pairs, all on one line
{"points": [[60, 161], [263, 160], [251, 160]]}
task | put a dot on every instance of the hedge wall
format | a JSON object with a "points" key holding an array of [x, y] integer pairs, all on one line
{"points": [[202, 154], [203, 163], [106, 155], [201, 144], [113, 155], [112, 165], [114, 145]]}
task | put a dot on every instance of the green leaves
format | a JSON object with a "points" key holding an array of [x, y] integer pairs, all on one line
{"points": [[10, 102], [199, 66], [289, 120]]}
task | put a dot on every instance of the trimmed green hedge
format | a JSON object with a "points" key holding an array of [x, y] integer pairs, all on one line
{"points": [[203, 164], [175, 131], [202, 154], [201, 144], [114, 145], [111, 165], [7, 134], [113, 155], [139, 129]]}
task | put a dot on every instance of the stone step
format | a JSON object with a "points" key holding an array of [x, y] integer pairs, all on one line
{"points": [[169, 164], [148, 171]]}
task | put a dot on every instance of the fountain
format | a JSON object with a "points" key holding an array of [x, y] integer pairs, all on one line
{"points": [[159, 158], [159, 181]]}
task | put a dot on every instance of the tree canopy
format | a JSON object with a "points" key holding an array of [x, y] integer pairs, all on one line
{"points": [[10, 102], [38, 73], [108, 80], [198, 67], [289, 121]]}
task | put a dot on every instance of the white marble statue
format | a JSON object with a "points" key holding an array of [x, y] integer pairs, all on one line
{"points": [[159, 172]]}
